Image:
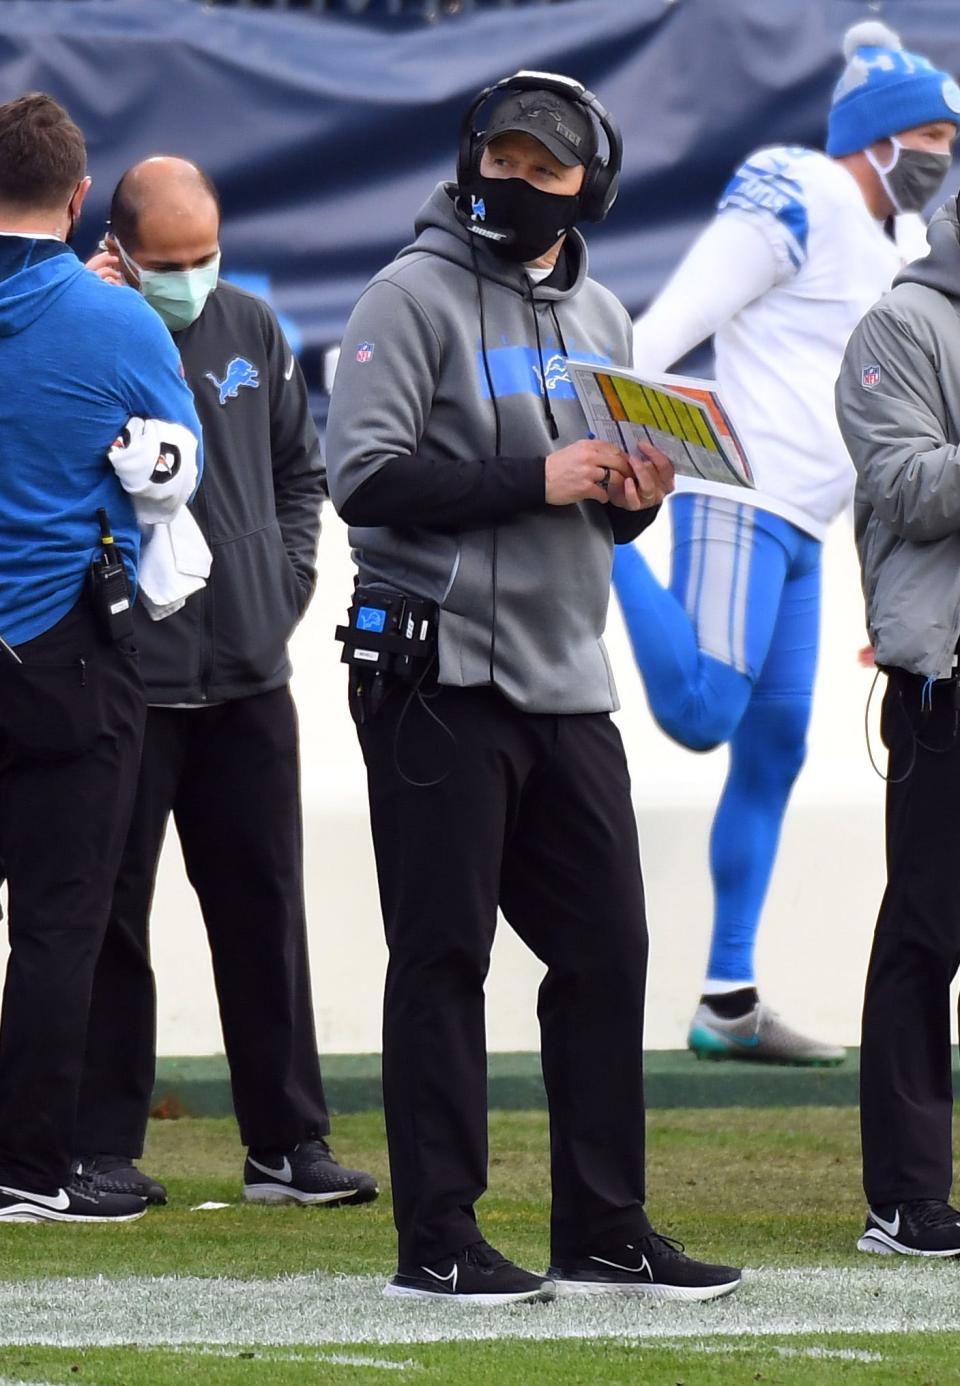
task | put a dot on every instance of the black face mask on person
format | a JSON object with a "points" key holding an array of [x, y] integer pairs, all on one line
{"points": [[912, 176], [517, 220]]}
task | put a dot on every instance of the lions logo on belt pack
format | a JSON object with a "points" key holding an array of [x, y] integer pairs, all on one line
{"points": [[870, 377]]}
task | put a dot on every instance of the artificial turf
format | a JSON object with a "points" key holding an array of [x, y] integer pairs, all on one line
{"points": [[775, 1187]]}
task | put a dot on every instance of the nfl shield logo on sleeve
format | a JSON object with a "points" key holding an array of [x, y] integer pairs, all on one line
{"points": [[364, 352], [870, 377]]}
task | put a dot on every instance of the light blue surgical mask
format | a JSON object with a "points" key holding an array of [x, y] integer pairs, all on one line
{"points": [[178, 296]]}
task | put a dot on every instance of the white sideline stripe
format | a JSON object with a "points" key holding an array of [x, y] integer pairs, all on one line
{"points": [[9, 1381], [813, 1351], [338, 1359], [345, 1359], [898, 1296], [833, 1354]]}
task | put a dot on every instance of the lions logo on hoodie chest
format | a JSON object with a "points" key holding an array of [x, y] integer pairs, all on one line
{"points": [[516, 370]]}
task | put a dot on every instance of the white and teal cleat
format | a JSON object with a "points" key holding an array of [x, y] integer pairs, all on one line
{"points": [[760, 1037]]}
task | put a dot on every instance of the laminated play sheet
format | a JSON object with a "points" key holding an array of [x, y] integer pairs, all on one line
{"points": [[678, 414]]}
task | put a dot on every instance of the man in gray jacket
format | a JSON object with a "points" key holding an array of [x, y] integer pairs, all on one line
{"points": [[898, 403], [456, 453]]}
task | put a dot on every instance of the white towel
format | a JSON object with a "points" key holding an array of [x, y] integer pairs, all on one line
{"points": [[174, 563], [156, 462]]}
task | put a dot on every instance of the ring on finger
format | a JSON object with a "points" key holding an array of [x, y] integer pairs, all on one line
{"points": [[604, 481]]}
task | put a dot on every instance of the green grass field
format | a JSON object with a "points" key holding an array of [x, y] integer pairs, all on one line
{"points": [[249, 1295]]}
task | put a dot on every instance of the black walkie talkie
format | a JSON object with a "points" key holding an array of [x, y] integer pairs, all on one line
{"points": [[110, 587]]}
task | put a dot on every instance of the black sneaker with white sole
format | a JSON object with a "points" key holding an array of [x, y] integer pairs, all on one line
{"points": [[80, 1201], [476, 1275], [653, 1267], [307, 1174], [117, 1174], [917, 1227]]}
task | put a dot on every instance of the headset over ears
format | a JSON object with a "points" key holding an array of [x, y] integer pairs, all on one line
{"points": [[601, 181]]}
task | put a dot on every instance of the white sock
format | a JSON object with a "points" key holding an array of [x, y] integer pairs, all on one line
{"points": [[715, 988]]}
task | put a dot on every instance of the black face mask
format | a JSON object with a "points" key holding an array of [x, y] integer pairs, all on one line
{"points": [[517, 220]]}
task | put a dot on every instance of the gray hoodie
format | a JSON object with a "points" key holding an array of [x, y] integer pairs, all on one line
{"points": [[523, 590], [898, 405]]}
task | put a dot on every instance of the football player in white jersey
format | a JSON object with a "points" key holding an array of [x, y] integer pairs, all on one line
{"points": [[796, 254]]}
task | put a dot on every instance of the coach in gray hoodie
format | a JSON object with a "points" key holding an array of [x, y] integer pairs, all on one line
{"points": [[898, 403], [456, 452]]}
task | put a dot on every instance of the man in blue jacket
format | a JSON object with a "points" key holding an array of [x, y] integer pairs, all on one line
{"points": [[77, 359]]}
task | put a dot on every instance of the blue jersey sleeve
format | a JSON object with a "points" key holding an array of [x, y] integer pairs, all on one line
{"points": [[765, 188], [151, 379]]}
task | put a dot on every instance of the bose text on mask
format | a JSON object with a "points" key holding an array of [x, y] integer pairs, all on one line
{"points": [[520, 221], [178, 296]]}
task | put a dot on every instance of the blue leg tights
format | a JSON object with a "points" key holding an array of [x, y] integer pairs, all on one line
{"points": [[728, 654]]}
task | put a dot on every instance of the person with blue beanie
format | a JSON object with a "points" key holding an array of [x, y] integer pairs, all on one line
{"points": [[82, 365], [799, 249]]}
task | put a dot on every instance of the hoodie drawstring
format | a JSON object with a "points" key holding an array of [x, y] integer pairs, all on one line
{"points": [[547, 411], [483, 348], [559, 330], [492, 652]]}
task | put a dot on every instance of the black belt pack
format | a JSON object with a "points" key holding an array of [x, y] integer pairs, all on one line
{"points": [[389, 632]]}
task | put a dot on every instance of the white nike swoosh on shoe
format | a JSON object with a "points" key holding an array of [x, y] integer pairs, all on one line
{"points": [[59, 1202], [284, 1173], [452, 1277], [288, 373], [631, 1270], [890, 1227]]}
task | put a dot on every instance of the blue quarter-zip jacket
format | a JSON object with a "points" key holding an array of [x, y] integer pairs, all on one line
{"points": [[77, 358]]}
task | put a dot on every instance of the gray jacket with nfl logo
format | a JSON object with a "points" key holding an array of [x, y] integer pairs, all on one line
{"points": [[435, 508], [898, 405]]}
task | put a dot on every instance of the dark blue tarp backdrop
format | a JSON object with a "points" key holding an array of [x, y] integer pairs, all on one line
{"points": [[324, 135]]}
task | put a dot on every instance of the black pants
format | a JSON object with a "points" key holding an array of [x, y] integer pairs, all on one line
{"points": [[230, 776], [906, 1092], [71, 720], [534, 814]]}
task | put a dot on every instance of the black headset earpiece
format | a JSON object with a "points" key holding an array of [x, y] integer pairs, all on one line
{"points": [[601, 181]]}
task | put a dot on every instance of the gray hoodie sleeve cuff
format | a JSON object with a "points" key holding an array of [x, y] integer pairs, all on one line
{"points": [[444, 494]]}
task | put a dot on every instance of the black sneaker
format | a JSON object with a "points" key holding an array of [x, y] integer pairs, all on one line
{"points": [[80, 1201], [919, 1227], [116, 1174], [306, 1174], [653, 1267], [476, 1275]]}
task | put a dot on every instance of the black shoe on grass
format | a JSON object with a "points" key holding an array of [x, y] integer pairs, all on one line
{"points": [[476, 1275], [306, 1174], [918, 1227], [80, 1201], [117, 1174], [653, 1267]]}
